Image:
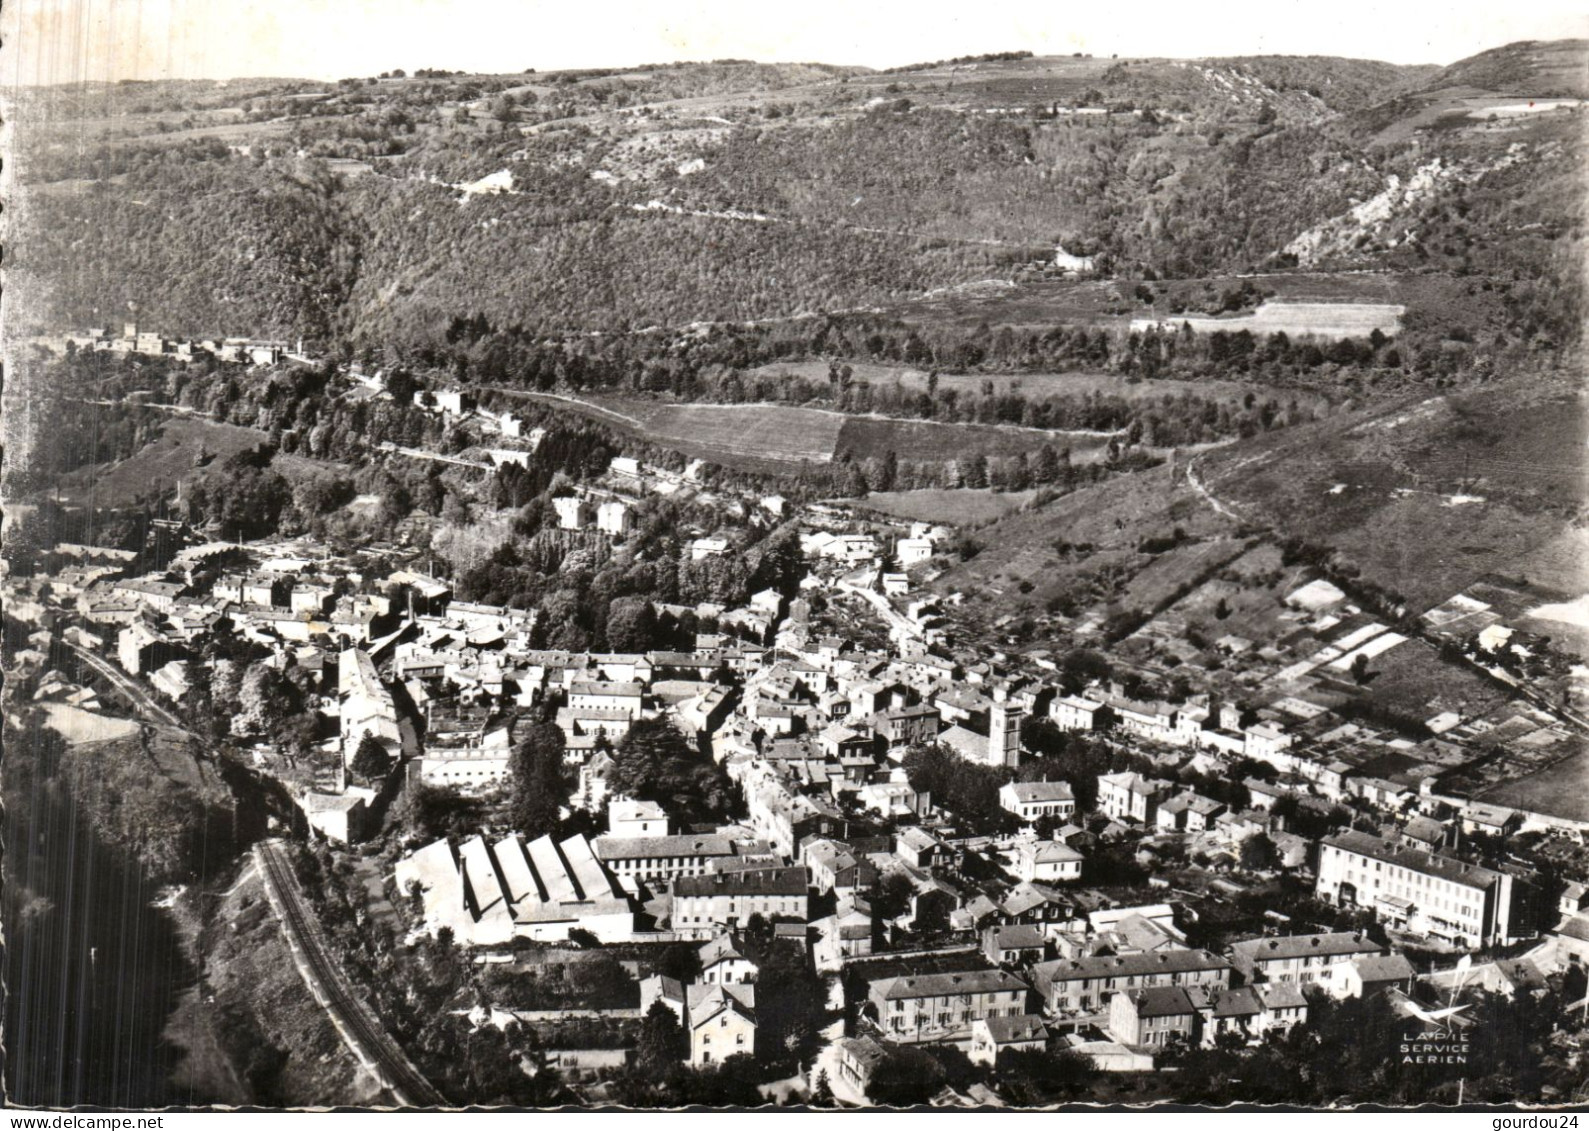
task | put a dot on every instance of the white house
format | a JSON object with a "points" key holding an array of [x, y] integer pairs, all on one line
{"points": [[1030, 800]]}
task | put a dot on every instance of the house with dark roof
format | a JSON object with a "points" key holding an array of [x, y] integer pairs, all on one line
{"points": [[1300, 958], [724, 960], [1082, 985], [1420, 891], [704, 905], [1012, 944], [993, 1035], [941, 1007], [1154, 1017], [1374, 974]]}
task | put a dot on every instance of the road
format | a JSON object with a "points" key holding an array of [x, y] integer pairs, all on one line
{"points": [[129, 688], [363, 1034]]}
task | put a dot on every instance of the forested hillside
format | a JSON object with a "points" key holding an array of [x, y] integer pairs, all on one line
{"points": [[375, 212]]}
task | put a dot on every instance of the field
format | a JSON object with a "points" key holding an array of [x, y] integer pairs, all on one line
{"points": [[1045, 303], [77, 725], [1561, 790], [1168, 573], [924, 440], [762, 431], [957, 507], [765, 437], [1037, 385], [1427, 496], [1412, 679], [1297, 319], [170, 460]]}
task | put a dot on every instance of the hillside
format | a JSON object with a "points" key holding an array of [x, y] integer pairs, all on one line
{"points": [[376, 212], [1556, 69]]}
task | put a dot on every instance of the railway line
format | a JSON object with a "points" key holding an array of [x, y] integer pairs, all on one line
{"points": [[363, 1034]]}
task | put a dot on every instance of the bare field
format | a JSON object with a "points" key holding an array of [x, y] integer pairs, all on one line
{"points": [[77, 725]]}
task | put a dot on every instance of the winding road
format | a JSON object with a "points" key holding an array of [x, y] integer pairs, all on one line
{"points": [[362, 1033]]}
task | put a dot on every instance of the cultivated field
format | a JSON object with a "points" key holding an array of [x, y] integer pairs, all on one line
{"points": [[959, 507], [1561, 790], [1296, 319], [925, 440], [1036, 385], [776, 432]]}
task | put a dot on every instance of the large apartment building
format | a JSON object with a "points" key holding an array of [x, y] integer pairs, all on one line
{"points": [[1080, 985], [703, 906], [941, 1007], [1463, 903], [1302, 959]]}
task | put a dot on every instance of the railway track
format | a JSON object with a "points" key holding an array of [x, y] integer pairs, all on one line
{"points": [[364, 1035], [129, 689]]}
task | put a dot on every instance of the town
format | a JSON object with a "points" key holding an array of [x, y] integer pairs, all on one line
{"points": [[831, 829]]}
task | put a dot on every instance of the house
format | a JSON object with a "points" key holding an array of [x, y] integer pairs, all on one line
{"points": [[857, 1059], [1424, 833], [993, 1035], [911, 551], [918, 847], [723, 960], [1075, 712], [598, 695], [842, 937], [1033, 799], [1047, 861], [705, 905], [367, 707], [721, 1022], [1154, 1017], [1302, 959], [1250, 1012], [571, 512], [1372, 974], [626, 818], [1130, 796], [908, 726], [143, 648], [1030, 902], [836, 867], [1569, 941], [1082, 985], [613, 517], [1013, 944], [1490, 820], [941, 1007], [637, 860], [1422, 891]]}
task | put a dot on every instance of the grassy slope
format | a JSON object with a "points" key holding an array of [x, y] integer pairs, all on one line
{"points": [[170, 459]]}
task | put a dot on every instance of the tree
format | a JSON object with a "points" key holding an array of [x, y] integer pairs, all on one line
{"points": [[539, 786], [1360, 668], [905, 1077], [662, 1042], [371, 761], [1258, 853], [631, 624], [822, 1091], [653, 762]]}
